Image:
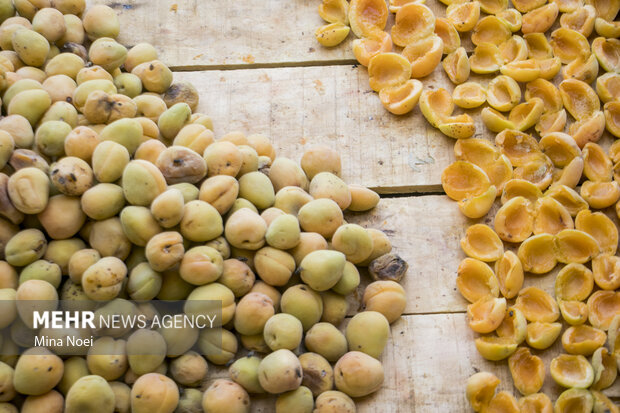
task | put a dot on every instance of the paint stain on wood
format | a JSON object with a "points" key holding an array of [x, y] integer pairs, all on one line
{"points": [[248, 59], [174, 8]]}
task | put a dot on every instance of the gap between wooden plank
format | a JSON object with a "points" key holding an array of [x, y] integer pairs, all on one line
{"points": [[266, 65]]}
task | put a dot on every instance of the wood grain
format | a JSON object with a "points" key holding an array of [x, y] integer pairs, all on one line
{"points": [[211, 34]]}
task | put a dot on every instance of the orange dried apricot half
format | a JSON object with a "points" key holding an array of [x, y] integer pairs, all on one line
{"points": [[605, 369], [485, 59], [495, 121], [476, 280], [514, 221], [366, 48], [513, 326], [509, 273], [490, 29], [538, 253], [600, 195], [538, 171], [579, 98], [603, 306], [606, 271], [536, 403], [436, 105], [367, 16], [495, 348], [538, 46], [560, 147], [574, 401], [540, 19], [569, 45], [542, 335], [551, 217], [583, 339], [469, 95], [522, 70], [424, 55], [463, 179], [601, 228], [480, 389], [597, 165], [503, 93], [463, 16], [573, 312], [332, 34], [486, 314], [334, 11], [448, 33], [580, 20], [527, 371], [589, 129], [551, 122], [584, 70], [612, 118], [478, 206], [402, 98], [388, 69], [521, 187], [568, 197], [526, 114], [570, 370], [414, 21], [482, 243], [537, 305], [519, 147], [575, 246], [511, 18], [456, 65], [513, 49], [574, 282]]}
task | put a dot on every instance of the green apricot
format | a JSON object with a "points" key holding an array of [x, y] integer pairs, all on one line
{"points": [[37, 371], [368, 332], [109, 161], [6, 10], [190, 192], [122, 397], [25, 247], [173, 119], [90, 394], [167, 208], [7, 390], [18, 87], [68, 64], [303, 303], [144, 283], [335, 307], [87, 87], [190, 402], [328, 185], [349, 281], [142, 182], [107, 53], [322, 269], [283, 232], [258, 189], [286, 172], [8, 408], [323, 216], [107, 358], [283, 331], [7, 146], [8, 307], [189, 369], [50, 137], [31, 47], [140, 53], [325, 339], [128, 84], [299, 400], [101, 21], [42, 270], [244, 371], [146, 350], [353, 241], [61, 111], [128, 132], [31, 104], [179, 339], [75, 368], [290, 199], [201, 222], [103, 201], [280, 371], [174, 287], [139, 225], [218, 346]]}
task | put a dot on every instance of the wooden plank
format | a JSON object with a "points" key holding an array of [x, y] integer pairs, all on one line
{"points": [[207, 34], [426, 231], [302, 106], [427, 362]]}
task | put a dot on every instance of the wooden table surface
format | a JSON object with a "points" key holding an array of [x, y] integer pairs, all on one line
{"points": [[259, 69]]}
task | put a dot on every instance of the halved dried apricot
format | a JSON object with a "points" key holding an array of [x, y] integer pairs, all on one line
{"points": [[539, 171], [579, 98], [574, 401], [495, 348], [495, 121], [603, 306], [458, 127], [538, 46], [540, 19], [482, 243], [446, 30], [519, 147], [538, 254], [527, 371], [503, 93], [475, 280], [463, 179], [536, 403], [580, 20], [605, 369], [522, 70], [424, 55], [602, 229], [570, 175], [334, 11], [332, 34], [542, 335], [512, 18], [612, 118], [606, 271], [574, 282], [605, 28], [490, 29], [485, 59], [575, 246], [560, 147], [436, 105], [514, 326], [456, 66], [537, 305], [478, 206], [401, 99], [568, 197], [551, 122], [388, 69], [513, 49], [367, 16], [589, 129], [480, 389], [526, 114], [521, 187], [414, 21], [573, 312], [569, 370], [597, 165], [514, 221], [584, 70], [509, 273], [569, 45], [583, 339], [551, 217], [463, 16], [366, 48], [600, 195], [469, 95], [486, 314]]}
